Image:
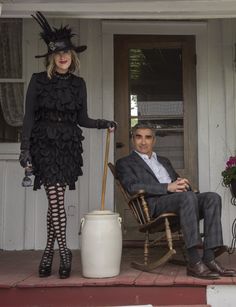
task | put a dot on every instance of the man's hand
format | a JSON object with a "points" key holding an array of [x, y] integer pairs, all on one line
{"points": [[180, 185]]}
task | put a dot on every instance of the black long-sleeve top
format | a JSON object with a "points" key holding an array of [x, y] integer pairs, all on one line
{"points": [[60, 99]]}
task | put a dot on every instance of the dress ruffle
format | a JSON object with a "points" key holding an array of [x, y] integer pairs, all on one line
{"points": [[59, 94], [56, 140]]}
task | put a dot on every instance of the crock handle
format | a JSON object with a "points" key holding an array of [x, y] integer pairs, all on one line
{"points": [[81, 225]]}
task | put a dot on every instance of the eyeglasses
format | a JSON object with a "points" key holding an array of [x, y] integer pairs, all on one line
{"points": [[27, 181]]}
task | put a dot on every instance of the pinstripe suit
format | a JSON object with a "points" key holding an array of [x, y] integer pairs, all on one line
{"points": [[135, 174]]}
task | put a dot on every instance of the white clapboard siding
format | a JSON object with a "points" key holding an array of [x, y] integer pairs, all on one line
{"points": [[13, 206]]}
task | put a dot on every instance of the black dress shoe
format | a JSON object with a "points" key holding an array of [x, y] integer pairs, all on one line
{"points": [[45, 266], [65, 265], [215, 266], [200, 270]]}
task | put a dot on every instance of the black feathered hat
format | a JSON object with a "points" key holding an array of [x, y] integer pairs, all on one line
{"points": [[55, 39]]}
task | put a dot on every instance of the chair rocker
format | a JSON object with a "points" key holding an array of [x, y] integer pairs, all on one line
{"points": [[167, 224]]}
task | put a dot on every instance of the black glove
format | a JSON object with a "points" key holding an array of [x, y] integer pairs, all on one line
{"points": [[104, 124], [25, 158]]}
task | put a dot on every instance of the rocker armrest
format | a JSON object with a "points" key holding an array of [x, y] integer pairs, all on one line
{"points": [[137, 195]]}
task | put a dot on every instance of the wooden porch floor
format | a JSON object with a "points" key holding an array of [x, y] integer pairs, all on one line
{"points": [[19, 269], [168, 285]]}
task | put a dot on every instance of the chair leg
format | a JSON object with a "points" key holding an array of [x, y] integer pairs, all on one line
{"points": [[168, 234], [147, 267], [146, 248], [183, 260]]}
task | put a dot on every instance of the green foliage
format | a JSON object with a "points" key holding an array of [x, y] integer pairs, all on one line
{"points": [[229, 174]]}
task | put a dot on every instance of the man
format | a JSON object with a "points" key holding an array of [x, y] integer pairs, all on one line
{"points": [[167, 192]]}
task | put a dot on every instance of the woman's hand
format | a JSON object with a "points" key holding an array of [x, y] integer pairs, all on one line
{"points": [[106, 124], [25, 158], [113, 126]]}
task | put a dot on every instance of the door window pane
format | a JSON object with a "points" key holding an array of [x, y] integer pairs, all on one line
{"points": [[156, 97]]}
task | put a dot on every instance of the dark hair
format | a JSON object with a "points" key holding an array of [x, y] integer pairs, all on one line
{"points": [[143, 126]]}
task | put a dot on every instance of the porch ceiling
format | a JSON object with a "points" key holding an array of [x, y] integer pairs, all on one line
{"points": [[123, 9]]}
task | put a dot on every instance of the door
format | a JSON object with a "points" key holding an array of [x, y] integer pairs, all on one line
{"points": [[155, 82]]}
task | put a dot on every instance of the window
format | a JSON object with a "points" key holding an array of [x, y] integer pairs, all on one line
{"points": [[11, 80], [156, 97]]}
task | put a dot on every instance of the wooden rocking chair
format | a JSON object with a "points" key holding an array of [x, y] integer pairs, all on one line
{"points": [[167, 224]]}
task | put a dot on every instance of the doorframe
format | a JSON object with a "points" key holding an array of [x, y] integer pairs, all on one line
{"points": [[199, 29]]}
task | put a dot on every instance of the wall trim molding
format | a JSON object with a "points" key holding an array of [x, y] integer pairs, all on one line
{"points": [[130, 9]]}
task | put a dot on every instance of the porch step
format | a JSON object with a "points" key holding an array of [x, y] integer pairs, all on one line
{"points": [[165, 306], [184, 306], [76, 296]]}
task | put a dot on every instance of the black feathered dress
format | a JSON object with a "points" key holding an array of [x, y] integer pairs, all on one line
{"points": [[54, 109]]}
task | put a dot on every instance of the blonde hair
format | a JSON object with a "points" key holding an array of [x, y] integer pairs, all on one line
{"points": [[51, 66]]}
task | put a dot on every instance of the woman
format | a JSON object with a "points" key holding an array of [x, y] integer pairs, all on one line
{"points": [[56, 104]]}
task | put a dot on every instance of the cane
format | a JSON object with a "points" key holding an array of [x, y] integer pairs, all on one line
{"points": [[104, 178]]}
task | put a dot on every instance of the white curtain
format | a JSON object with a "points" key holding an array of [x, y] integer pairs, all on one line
{"points": [[11, 94]]}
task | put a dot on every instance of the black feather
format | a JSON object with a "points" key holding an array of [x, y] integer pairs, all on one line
{"points": [[44, 21], [48, 34]]}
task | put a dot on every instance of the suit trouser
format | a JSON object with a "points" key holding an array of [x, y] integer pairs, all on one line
{"points": [[191, 207]]}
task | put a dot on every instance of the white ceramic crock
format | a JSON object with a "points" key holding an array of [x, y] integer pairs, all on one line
{"points": [[101, 244]]}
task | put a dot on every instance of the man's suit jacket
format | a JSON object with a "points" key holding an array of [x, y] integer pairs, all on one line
{"points": [[134, 174]]}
